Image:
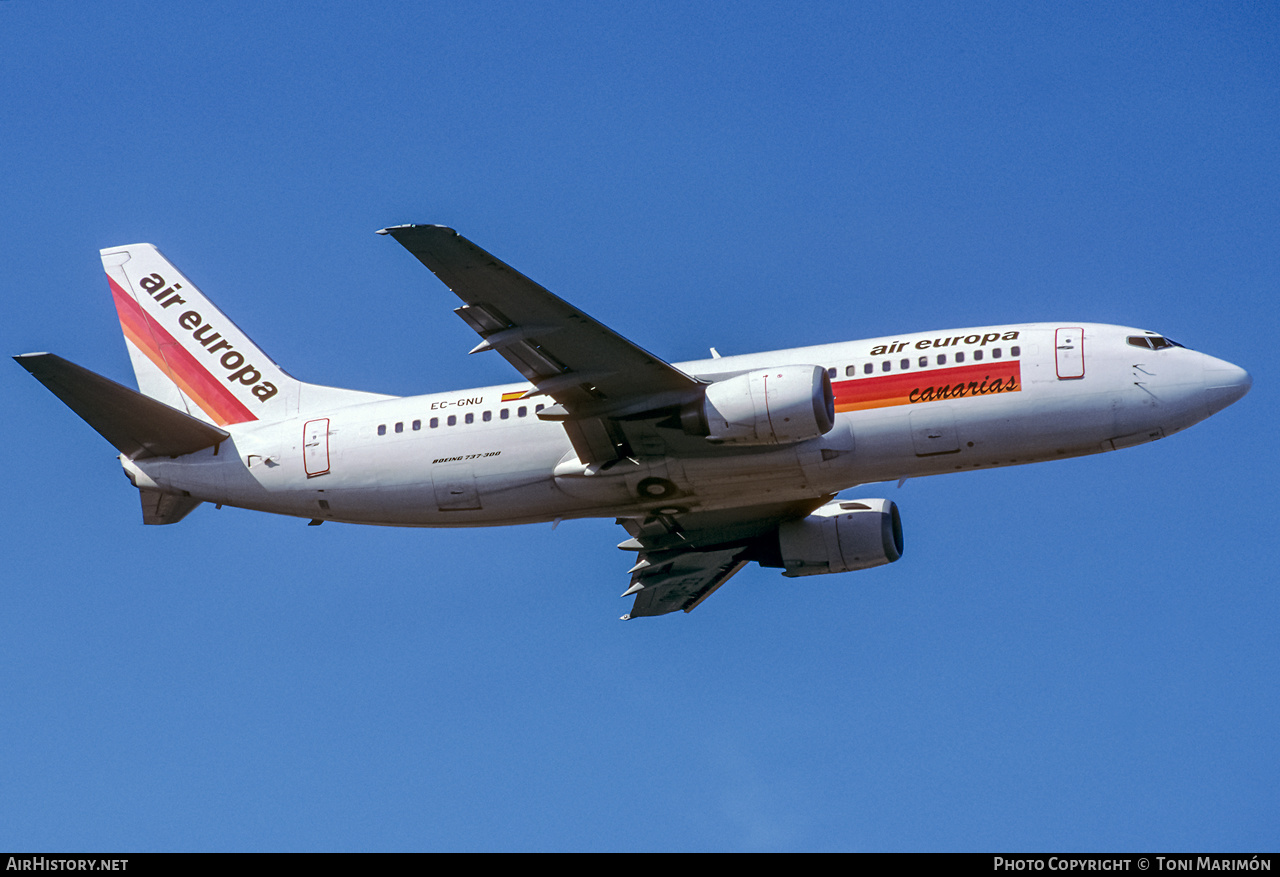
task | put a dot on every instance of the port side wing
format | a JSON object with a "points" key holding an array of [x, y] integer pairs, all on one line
{"points": [[684, 558], [594, 374], [137, 425]]}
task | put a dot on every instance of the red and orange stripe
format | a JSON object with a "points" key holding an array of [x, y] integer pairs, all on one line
{"points": [[912, 387], [176, 362]]}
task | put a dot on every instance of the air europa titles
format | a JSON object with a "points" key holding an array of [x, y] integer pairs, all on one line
{"points": [[231, 359], [926, 343]]}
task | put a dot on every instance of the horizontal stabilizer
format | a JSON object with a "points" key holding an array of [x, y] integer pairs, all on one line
{"points": [[137, 425]]}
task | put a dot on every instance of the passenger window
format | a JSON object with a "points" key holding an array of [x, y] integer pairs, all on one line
{"points": [[995, 353], [977, 354], [960, 356], [905, 364], [487, 416], [885, 366], [417, 425], [831, 372], [453, 420], [521, 411], [382, 429], [538, 408], [400, 426], [471, 417], [504, 413], [850, 371], [435, 422], [1015, 351], [868, 368], [924, 361], [942, 359]]}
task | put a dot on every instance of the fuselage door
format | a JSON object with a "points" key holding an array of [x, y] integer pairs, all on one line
{"points": [[1069, 344], [315, 447]]}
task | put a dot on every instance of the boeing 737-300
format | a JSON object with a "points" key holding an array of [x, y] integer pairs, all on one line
{"points": [[708, 465]]}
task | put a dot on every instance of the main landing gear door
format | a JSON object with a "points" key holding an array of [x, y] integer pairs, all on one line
{"points": [[1069, 345]]}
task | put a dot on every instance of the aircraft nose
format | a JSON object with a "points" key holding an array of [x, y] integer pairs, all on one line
{"points": [[1224, 383]]}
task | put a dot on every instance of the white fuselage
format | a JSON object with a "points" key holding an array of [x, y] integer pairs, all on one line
{"points": [[920, 404]]}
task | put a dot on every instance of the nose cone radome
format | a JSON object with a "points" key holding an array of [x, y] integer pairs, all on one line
{"points": [[1224, 383]]}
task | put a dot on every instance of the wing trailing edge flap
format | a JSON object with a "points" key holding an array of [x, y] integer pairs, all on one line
{"points": [[593, 373], [159, 507], [683, 581], [684, 558], [136, 425]]}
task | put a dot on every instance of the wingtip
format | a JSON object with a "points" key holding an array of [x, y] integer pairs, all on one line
{"points": [[30, 361], [392, 229]]}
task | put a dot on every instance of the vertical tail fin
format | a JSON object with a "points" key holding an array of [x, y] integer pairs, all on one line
{"points": [[189, 355]]}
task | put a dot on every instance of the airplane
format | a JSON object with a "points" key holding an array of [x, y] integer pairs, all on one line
{"points": [[708, 465]]}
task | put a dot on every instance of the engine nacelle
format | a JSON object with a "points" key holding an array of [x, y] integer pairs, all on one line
{"points": [[776, 406], [842, 536]]}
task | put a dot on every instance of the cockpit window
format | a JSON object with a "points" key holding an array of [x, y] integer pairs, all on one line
{"points": [[1152, 342]]}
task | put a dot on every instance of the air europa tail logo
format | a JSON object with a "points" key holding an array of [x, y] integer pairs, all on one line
{"points": [[213, 343]]}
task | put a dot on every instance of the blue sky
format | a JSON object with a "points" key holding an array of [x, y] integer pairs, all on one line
{"points": [[1079, 655]]}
